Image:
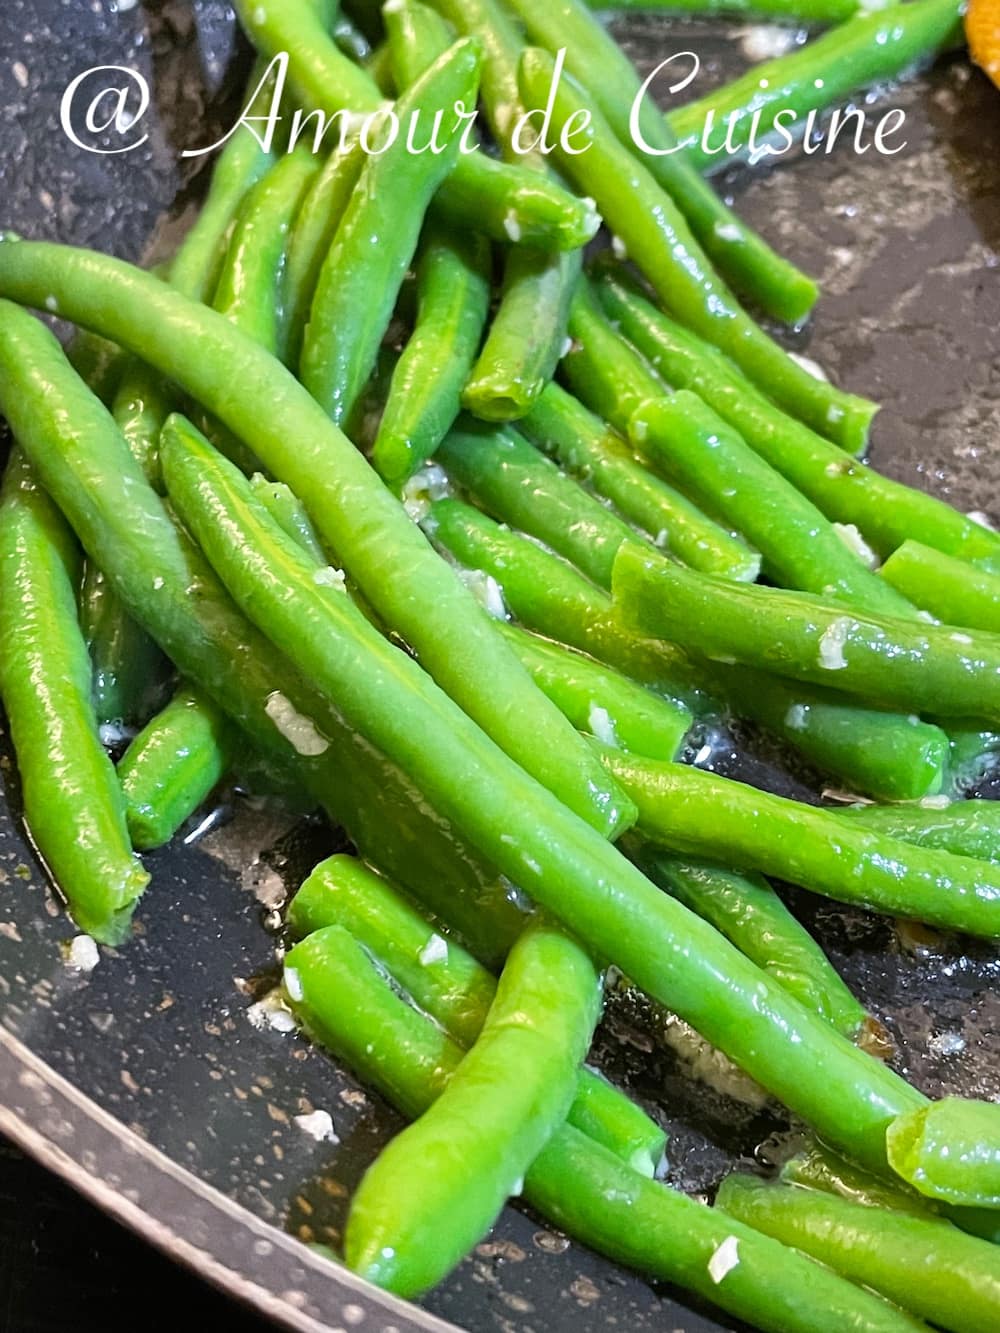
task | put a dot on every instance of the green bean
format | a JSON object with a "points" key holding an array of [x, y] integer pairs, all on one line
{"points": [[72, 804], [966, 828], [695, 448], [249, 290], [581, 1187], [589, 449], [947, 1151], [526, 338], [439, 1186], [290, 514], [410, 587], [450, 986], [934, 668], [521, 487], [380, 68], [491, 197], [694, 813], [562, 863], [350, 39], [312, 236], [868, 49], [658, 238], [949, 589], [416, 34], [128, 668], [172, 767], [818, 1168], [155, 570], [751, 915], [453, 300], [884, 754], [887, 512], [923, 1263], [601, 701], [376, 240], [599, 64]]}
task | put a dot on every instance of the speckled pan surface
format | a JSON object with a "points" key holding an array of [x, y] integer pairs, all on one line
{"points": [[156, 1039]]}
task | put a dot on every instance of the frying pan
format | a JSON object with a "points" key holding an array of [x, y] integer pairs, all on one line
{"points": [[143, 1083]]}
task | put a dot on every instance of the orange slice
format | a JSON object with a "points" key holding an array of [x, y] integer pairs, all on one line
{"points": [[982, 27]]}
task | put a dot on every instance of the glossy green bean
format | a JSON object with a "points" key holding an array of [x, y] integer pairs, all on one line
{"points": [[588, 448], [490, 196], [870, 48], [416, 35], [885, 754], [173, 765], [377, 238], [966, 828], [947, 1151], [312, 236], [603, 702], [97, 361], [414, 592], [694, 447], [699, 814], [926, 1264], [886, 511], [598, 62], [819, 1168], [581, 1187], [751, 915], [72, 804], [439, 1186], [290, 514], [517, 485], [935, 669], [125, 529], [661, 243], [249, 293], [128, 668], [528, 332], [561, 862], [450, 986], [805, 11], [425, 396], [950, 589]]}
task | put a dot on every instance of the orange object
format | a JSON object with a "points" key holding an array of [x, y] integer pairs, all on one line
{"points": [[982, 27]]}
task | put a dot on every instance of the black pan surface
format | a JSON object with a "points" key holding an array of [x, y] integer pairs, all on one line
{"points": [[144, 1083]]}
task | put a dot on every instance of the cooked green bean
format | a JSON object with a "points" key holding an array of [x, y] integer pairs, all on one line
{"points": [[884, 754], [602, 702], [696, 449], [519, 486], [528, 331], [949, 589], [312, 236], [98, 362], [416, 35], [128, 668], [562, 863], [967, 828], [868, 49], [899, 663], [659, 240], [598, 62], [490, 196], [172, 767], [377, 239], [72, 804], [416, 594], [249, 290], [425, 396], [289, 512], [439, 1186], [582, 1188], [819, 1168], [751, 915], [924, 1263], [589, 449], [947, 1150], [804, 11], [125, 529], [886, 511], [694, 813]]}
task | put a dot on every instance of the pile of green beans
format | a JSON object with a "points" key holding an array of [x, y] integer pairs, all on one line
{"points": [[425, 519]]}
